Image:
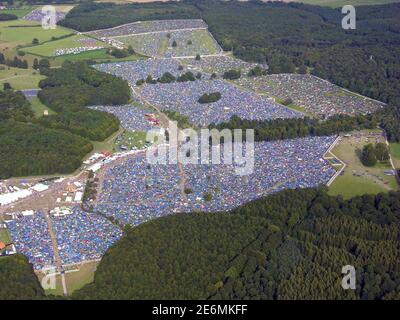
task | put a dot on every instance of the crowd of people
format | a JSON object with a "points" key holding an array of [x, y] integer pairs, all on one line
{"points": [[132, 71], [31, 237], [147, 44], [183, 97], [220, 64], [179, 43], [131, 117], [74, 50], [184, 43], [38, 15], [80, 236], [150, 26], [291, 164], [141, 192], [164, 38], [315, 95], [83, 236], [145, 191]]}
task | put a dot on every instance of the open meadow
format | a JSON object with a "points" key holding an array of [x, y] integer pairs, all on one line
{"points": [[49, 48], [20, 79], [356, 178], [22, 32]]}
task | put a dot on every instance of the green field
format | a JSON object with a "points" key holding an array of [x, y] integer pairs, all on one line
{"points": [[395, 152], [131, 140], [47, 49], [340, 3], [74, 280], [19, 12], [202, 43], [358, 179], [20, 78], [4, 236], [21, 32], [39, 107], [85, 275]]}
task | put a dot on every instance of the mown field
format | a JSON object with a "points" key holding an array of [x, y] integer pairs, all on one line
{"points": [[19, 12], [21, 32], [358, 179], [39, 107], [20, 78], [395, 152], [47, 49], [4, 236]]}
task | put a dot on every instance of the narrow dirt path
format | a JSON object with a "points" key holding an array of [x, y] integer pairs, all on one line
{"points": [[57, 257]]}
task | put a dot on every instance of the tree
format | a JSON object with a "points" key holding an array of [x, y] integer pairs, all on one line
{"points": [[35, 64], [368, 156], [382, 151], [232, 74], [35, 41], [7, 86], [302, 69], [44, 64], [130, 50], [288, 101], [198, 57], [174, 44], [209, 98]]}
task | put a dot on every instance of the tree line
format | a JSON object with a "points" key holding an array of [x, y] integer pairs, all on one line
{"points": [[57, 143], [289, 245]]}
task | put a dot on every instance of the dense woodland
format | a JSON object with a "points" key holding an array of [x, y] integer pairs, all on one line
{"points": [[288, 36], [279, 129], [18, 282], [290, 245], [57, 143]]}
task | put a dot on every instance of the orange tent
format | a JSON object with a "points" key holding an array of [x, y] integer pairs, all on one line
{"points": [[2, 245]]}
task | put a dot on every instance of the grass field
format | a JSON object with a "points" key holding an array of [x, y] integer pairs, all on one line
{"points": [[20, 78], [4, 236], [340, 3], [21, 32], [395, 152], [39, 107], [358, 179], [19, 12], [131, 139], [58, 291], [106, 145], [76, 280], [47, 49]]}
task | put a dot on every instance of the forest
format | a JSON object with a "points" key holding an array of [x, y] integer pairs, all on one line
{"points": [[18, 280], [57, 143], [279, 129], [288, 36], [290, 245]]}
